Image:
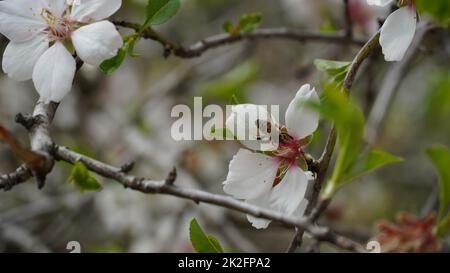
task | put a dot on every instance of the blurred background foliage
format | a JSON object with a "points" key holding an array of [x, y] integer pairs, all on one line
{"points": [[126, 116]]}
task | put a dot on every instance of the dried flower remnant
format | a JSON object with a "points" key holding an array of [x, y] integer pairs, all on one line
{"points": [[410, 234]]}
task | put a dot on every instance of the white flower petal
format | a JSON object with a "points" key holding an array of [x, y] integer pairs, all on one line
{"points": [[287, 195], [380, 3], [262, 202], [250, 175], [94, 10], [19, 59], [21, 20], [56, 6], [397, 33], [244, 121], [300, 211], [53, 73], [300, 120], [97, 42]]}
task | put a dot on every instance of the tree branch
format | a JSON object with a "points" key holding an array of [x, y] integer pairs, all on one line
{"points": [[38, 128], [218, 40], [162, 187], [8, 181]]}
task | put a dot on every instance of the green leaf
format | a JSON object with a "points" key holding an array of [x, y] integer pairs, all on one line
{"points": [[82, 178], [440, 155], [110, 66], [337, 70], [249, 22], [201, 242], [228, 27], [349, 122], [160, 11], [333, 68], [370, 161], [215, 243]]}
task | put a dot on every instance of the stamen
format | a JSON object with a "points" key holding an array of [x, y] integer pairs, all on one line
{"points": [[58, 28], [48, 16]]}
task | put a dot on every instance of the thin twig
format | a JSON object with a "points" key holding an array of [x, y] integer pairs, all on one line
{"points": [[218, 40], [161, 187]]}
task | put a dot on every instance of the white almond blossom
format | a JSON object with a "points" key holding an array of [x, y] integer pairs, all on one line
{"points": [[44, 35], [398, 30], [274, 179]]}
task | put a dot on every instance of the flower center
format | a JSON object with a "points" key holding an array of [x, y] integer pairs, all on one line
{"points": [[288, 153], [289, 149], [58, 28]]}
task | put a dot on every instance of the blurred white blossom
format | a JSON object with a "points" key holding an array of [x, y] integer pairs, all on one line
{"points": [[45, 34]]}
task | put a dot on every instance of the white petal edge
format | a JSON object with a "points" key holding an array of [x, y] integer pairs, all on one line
{"points": [[19, 59], [380, 3], [262, 202], [397, 33], [57, 6], [94, 10], [53, 73], [250, 175], [242, 122], [300, 120], [287, 195], [21, 20], [97, 42]]}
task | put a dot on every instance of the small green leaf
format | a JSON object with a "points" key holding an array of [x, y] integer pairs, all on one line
{"points": [[371, 161], [228, 27], [440, 155], [333, 68], [249, 22], [82, 179], [201, 242], [109, 66], [160, 11]]}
